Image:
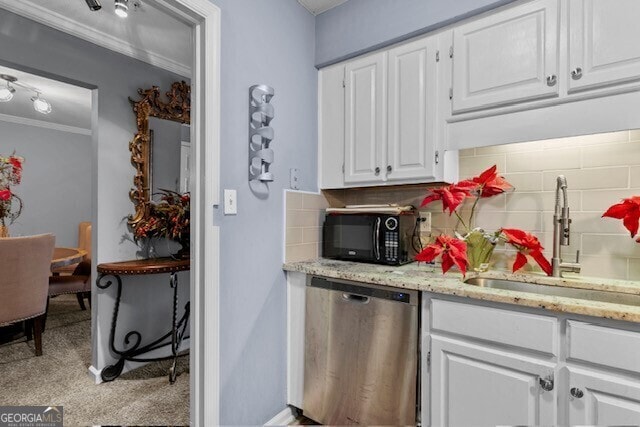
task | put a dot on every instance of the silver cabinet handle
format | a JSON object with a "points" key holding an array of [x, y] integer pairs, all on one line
{"points": [[576, 74], [546, 383], [389, 168], [576, 392], [552, 80], [377, 171]]}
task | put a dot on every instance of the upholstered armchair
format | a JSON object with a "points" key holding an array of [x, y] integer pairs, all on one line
{"points": [[25, 266]]}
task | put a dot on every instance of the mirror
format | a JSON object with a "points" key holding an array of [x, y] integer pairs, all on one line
{"points": [[169, 148], [160, 148]]}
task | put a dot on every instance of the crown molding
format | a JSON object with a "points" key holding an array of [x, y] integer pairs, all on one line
{"points": [[42, 124], [38, 13]]}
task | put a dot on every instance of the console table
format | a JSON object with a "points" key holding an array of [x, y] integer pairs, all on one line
{"points": [[178, 326]]}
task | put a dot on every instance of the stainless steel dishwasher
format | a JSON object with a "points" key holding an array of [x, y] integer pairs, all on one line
{"points": [[361, 353]]}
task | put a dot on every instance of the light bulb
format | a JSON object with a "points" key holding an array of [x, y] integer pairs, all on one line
{"points": [[6, 93], [41, 105], [122, 8]]}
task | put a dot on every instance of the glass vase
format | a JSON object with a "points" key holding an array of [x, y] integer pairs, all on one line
{"points": [[480, 248]]}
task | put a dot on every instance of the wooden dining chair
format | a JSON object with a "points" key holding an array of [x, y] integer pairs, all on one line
{"points": [[78, 283], [25, 263], [84, 243]]}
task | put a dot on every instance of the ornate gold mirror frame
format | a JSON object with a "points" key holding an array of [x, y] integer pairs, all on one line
{"points": [[178, 109]]}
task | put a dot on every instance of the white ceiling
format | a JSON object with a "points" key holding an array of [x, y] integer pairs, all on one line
{"points": [[70, 105], [316, 7], [147, 34]]}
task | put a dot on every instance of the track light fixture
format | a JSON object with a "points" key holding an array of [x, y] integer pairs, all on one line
{"points": [[122, 8], [6, 93], [94, 5], [40, 104]]}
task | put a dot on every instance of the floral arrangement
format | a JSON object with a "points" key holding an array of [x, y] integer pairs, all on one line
{"points": [[169, 219], [474, 247], [629, 212], [10, 174]]}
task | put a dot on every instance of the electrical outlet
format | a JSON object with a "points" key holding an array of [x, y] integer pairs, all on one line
{"points": [[425, 222]]}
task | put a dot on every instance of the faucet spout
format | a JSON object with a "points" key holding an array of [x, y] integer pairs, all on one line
{"points": [[562, 230]]}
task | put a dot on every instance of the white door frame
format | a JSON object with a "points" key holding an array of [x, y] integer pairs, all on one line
{"points": [[205, 139], [204, 17]]}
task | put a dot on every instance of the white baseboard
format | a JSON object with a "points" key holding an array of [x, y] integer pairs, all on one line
{"points": [[95, 374], [282, 418]]}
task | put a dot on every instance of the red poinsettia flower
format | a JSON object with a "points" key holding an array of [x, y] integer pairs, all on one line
{"points": [[629, 212], [526, 244], [5, 195], [453, 251], [452, 195], [489, 183]]}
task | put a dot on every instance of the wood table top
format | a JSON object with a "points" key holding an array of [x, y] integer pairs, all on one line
{"points": [[67, 256], [145, 266]]}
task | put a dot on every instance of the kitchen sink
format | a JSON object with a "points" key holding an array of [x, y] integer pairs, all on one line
{"points": [[559, 291]]}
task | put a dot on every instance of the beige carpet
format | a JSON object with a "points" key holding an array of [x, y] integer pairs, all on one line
{"points": [[140, 397]]}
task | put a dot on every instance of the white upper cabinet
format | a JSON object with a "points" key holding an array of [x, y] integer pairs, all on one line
{"points": [[604, 43], [507, 57], [598, 398], [411, 146], [473, 385], [365, 118]]}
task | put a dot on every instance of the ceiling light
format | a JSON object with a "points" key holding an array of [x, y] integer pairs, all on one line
{"points": [[122, 8], [6, 93], [94, 5], [41, 105]]}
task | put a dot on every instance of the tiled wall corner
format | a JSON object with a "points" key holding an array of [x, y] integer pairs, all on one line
{"points": [[303, 225]]}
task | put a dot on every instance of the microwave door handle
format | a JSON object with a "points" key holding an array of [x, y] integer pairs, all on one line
{"points": [[376, 238]]}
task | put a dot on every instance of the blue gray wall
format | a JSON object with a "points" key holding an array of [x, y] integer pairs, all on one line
{"points": [[360, 25], [25, 43], [56, 180], [267, 42]]}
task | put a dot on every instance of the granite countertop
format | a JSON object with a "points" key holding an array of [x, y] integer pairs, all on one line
{"points": [[423, 277]]}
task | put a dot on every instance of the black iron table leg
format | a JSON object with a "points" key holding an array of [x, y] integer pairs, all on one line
{"points": [[132, 352]]}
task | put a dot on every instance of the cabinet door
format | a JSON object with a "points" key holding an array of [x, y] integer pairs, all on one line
{"points": [[481, 386], [331, 127], [603, 44], [602, 399], [412, 110], [365, 118], [506, 58]]}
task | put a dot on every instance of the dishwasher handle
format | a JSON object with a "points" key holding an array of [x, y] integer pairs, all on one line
{"points": [[354, 298]]}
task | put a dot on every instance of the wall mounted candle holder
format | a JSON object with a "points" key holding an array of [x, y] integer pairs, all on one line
{"points": [[260, 133]]}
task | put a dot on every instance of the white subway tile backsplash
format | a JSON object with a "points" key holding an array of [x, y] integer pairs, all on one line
{"points": [[600, 200], [589, 179], [634, 269], [312, 235], [538, 201], [509, 148], [473, 166], [604, 266], [635, 177], [294, 236], [542, 160], [622, 245], [527, 181], [586, 140], [611, 155]]}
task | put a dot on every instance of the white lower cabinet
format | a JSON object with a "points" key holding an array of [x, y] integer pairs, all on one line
{"points": [[480, 386], [491, 364], [599, 398]]}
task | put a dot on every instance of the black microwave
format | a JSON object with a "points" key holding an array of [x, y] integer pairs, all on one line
{"points": [[370, 237]]}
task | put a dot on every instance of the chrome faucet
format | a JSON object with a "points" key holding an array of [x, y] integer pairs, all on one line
{"points": [[561, 231]]}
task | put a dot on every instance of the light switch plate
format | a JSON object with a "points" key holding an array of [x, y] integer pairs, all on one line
{"points": [[294, 179], [230, 202]]}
